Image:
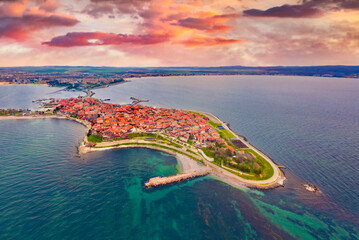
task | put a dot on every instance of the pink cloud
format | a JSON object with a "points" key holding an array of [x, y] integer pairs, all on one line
{"points": [[78, 39], [285, 11], [214, 23], [305, 9], [209, 41], [74, 39], [18, 20]]}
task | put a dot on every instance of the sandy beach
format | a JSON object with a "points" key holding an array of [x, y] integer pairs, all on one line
{"points": [[186, 163], [86, 124], [30, 117]]}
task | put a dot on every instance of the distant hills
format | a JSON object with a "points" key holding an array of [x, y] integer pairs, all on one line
{"points": [[323, 71]]}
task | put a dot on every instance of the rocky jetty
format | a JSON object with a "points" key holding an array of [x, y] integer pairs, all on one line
{"points": [[159, 181]]}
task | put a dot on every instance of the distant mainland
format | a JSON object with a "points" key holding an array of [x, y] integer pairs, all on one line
{"points": [[86, 77]]}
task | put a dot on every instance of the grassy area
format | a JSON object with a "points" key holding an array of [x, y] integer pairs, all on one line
{"points": [[9, 112], [258, 167], [263, 169], [139, 136], [224, 133], [227, 133], [190, 151], [175, 144], [142, 135], [226, 138], [268, 170], [213, 124], [199, 114], [94, 138], [208, 153]]}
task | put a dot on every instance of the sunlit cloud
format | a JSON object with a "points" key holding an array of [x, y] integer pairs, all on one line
{"points": [[179, 32], [18, 19]]}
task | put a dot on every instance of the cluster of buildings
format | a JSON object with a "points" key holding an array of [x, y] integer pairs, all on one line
{"points": [[118, 121], [77, 78], [16, 112], [70, 79]]}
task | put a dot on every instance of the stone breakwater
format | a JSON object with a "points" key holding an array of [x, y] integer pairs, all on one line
{"points": [[159, 181]]}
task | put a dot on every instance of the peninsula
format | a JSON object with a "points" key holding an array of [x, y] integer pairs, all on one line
{"points": [[201, 142]]}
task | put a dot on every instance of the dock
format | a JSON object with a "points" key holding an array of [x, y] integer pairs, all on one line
{"points": [[160, 181], [89, 94], [136, 101]]}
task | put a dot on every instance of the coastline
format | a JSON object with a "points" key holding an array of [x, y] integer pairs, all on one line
{"points": [[194, 75], [87, 125], [278, 177], [187, 164]]}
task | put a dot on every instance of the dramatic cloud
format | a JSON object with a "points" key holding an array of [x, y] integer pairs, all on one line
{"points": [[307, 8], [77, 39], [291, 11], [333, 4], [159, 21], [178, 32], [100, 38], [208, 41], [354, 4], [209, 24], [99, 8], [17, 21]]}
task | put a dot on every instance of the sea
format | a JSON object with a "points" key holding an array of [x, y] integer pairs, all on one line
{"points": [[310, 125]]}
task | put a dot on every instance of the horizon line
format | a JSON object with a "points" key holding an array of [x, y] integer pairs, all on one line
{"points": [[220, 66]]}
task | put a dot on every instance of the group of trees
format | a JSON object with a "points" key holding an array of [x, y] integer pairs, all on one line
{"points": [[244, 162]]}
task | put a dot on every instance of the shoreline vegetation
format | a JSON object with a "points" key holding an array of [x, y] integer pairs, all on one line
{"points": [[192, 162]]}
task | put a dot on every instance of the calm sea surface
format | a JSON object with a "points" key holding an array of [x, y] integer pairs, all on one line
{"points": [[21, 96], [308, 124]]}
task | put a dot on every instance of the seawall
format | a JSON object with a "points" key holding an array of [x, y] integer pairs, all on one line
{"points": [[159, 181]]}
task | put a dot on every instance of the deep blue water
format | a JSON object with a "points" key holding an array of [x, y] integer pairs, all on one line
{"points": [[309, 125]]}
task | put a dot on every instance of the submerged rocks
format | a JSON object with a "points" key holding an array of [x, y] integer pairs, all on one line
{"points": [[310, 188]]}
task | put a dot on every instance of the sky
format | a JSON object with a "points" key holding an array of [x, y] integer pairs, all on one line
{"points": [[140, 33]]}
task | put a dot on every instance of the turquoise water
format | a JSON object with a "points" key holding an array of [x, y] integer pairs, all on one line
{"points": [[310, 125]]}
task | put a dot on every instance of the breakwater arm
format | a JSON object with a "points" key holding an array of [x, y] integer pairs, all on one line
{"points": [[159, 181]]}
